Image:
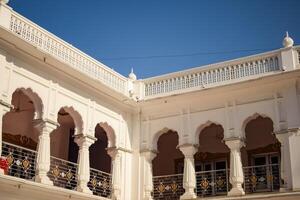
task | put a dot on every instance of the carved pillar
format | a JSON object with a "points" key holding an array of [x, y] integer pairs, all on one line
{"points": [[189, 175], [83, 172], [285, 161], [236, 168], [148, 156], [43, 150], [116, 172]]}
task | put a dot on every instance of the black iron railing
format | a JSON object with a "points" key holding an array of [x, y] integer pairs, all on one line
{"points": [[21, 161], [63, 173], [168, 187], [263, 178], [100, 183], [212, 183]]}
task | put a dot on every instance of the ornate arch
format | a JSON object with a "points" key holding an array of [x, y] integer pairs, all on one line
{"points": [[250, 118], [160, 133], [37, 101], [203, 126], [110, 133], [76, 117]]}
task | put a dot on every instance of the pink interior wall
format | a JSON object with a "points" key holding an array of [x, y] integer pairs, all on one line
{"points": [[99, 159], [164, 162], [211, 140], [259, 134], [19, 121], [60, 137]]}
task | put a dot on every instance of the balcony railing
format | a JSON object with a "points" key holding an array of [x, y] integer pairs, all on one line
{"points": [[63, 173], [100, 183], [168, 187], [21, 161], [213, 75], [22, 164], [66, 53], [212, 183], [264, 178]]}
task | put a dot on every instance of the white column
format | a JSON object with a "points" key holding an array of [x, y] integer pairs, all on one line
{"points": [[236, 168], [148, 174], [116, 172], [189, 175], [83, 172], [285, 161], [43, 150]]}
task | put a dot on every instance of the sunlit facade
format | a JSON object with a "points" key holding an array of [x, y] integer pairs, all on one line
{"points": [[73, 128]]}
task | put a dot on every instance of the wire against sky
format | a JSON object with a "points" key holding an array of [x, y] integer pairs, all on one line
{"points": [[186, 55]]}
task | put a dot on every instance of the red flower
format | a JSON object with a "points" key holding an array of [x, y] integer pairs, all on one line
{"points": [[4, 164]]}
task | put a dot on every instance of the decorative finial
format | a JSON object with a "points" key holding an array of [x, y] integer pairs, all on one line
{"points": [[132, 76], [287, 41], [4, 1]]}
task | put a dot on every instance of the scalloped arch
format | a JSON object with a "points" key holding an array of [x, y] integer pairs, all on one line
{"points": [[35, 98], [160, 133], [203, 126], [76, 117], [110, 133], [252, 117]]}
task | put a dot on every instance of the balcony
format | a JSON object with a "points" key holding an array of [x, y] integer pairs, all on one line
{"points": [[22, 164], [257, 179]]}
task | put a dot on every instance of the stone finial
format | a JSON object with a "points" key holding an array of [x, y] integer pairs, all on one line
{"points": [[4, 1], [132, 76], [287, 41]]}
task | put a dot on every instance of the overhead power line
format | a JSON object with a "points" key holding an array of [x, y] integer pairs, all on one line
{"points": [[186, 55]]}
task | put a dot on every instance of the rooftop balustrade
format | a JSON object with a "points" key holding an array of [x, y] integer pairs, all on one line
{"points": [[61, 50], [213, 75], [175, 83]]}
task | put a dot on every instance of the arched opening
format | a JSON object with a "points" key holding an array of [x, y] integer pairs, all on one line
{"points": [[99, 157], [64, 152], [20, 137], [262, 156], [101, 163], [212, 161], [168, 167]]}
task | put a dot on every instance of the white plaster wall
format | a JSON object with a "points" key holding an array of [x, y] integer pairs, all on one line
{"points": [[57, 92]]}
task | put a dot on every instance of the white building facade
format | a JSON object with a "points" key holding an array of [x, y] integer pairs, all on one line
{"points": [[72, 128]]}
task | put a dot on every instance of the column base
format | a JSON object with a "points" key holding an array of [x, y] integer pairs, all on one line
{"points": [[115, 195], [188, 196], [85, 190], [285, 189], [236, 192], [44, 179], [148, 198], [2, 171]]}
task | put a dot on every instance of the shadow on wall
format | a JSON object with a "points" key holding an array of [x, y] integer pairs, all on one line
{"points": [[17, 125], [165, 163], [99, 159]]}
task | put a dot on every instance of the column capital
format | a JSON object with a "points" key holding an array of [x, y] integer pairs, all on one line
{"points": [[113, 152], [5, 104], [188, 149], [42, 124], [148, 154], [287, 132], [234, 143], [84, 140]]}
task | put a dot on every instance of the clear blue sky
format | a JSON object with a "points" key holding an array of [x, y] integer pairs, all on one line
{"points": [[109, 30]]}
